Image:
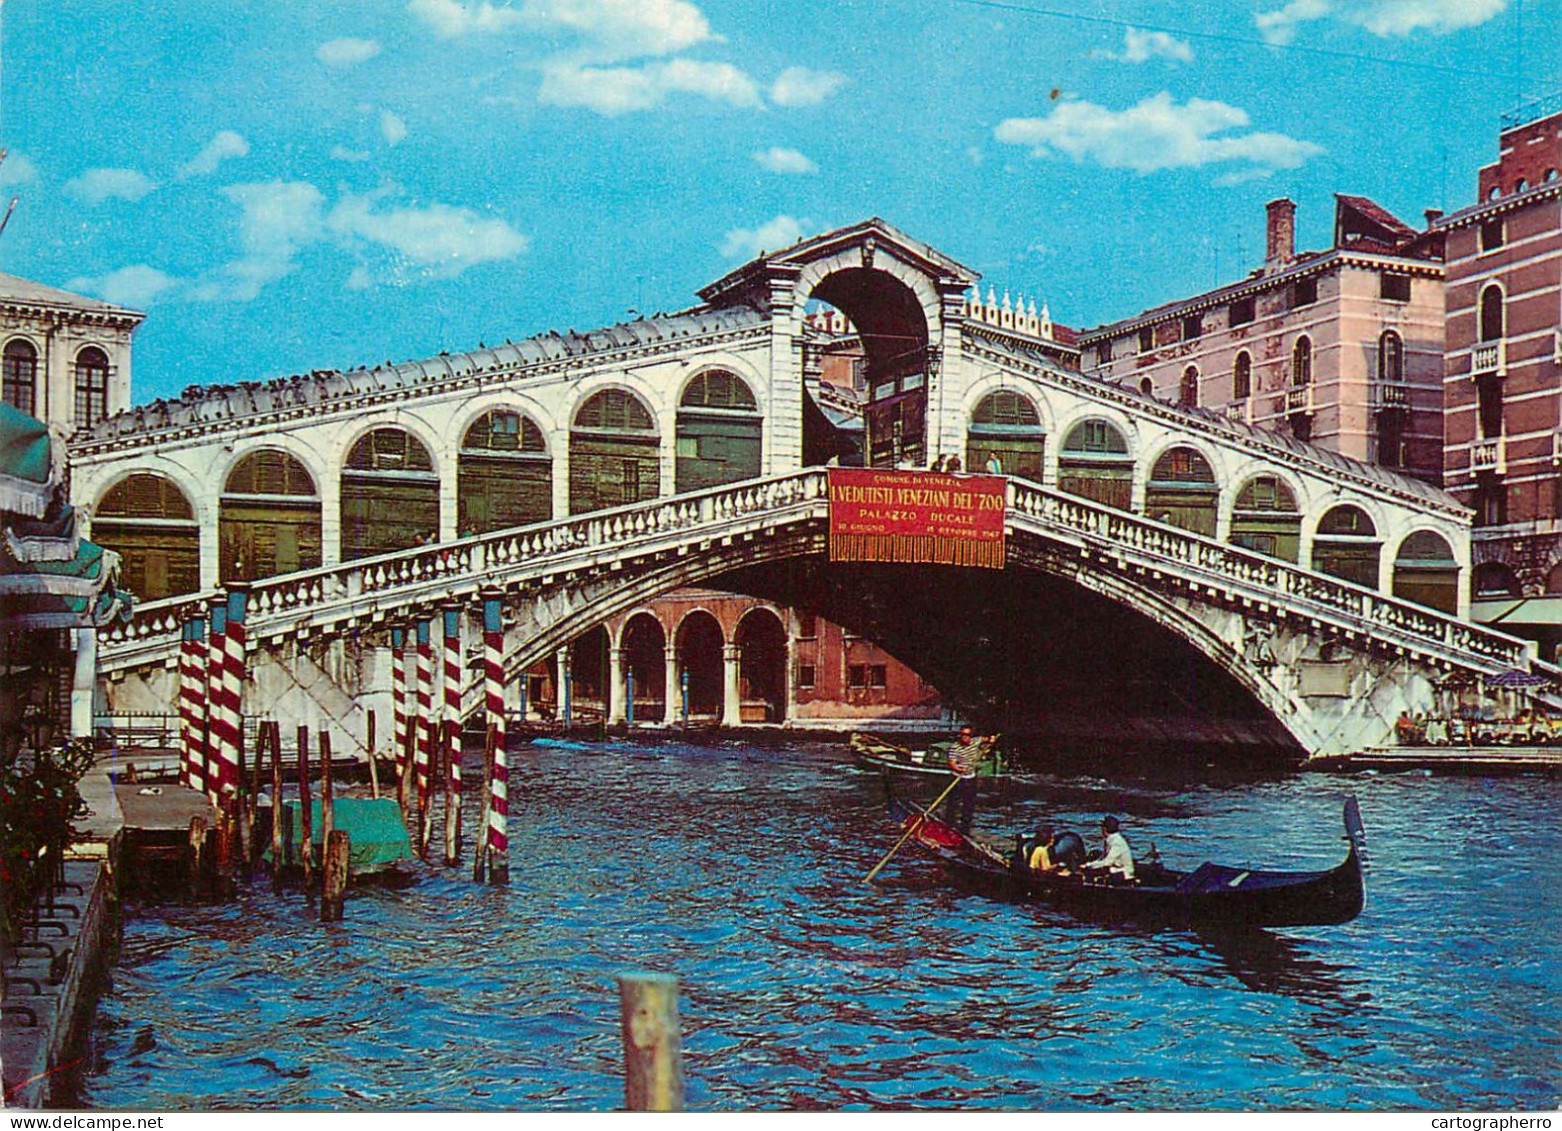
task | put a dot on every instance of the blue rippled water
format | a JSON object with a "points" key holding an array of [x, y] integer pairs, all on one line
{"points": [[740, 870]]}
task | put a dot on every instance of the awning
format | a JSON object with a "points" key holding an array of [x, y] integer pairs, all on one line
{"points": [[28, 471], [1518, 610], [84, 575]]}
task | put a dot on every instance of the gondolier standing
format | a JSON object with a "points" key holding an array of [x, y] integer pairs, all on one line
{"points": [[964, 757]]}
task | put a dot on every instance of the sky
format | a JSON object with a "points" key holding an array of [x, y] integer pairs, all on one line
{"points": [[284, 187]]}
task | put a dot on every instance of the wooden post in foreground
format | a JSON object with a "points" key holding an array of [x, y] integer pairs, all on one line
{"points": [[333, 884], [374, 769], [306, 812], [653, 1042], [193, 858], [327, 790]]}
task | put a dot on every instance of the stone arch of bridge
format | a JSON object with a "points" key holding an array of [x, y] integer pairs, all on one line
{"points": [[625, 590]]}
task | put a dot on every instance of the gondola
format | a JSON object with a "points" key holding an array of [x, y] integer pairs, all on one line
{"points": [[875, 753], [1211, 895]]}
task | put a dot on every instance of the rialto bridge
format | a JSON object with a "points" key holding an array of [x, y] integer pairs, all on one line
{"points": [[581, 476]]}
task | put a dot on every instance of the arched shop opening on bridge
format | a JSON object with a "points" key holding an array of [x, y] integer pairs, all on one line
{"points": [[1425, 572], [149, 522], [504, 474], [268, 518], [1347, 545], [1094, 464], [886, 332], [701, 666], [1266, 519], [643, 645], [719, 432], [615, 454], [390, 494], [1006, 425], [1182, 491], [762, 661]]}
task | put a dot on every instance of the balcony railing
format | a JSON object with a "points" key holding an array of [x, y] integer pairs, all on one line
{"points": [[1299, 401], [1490, 455], [1489, 357], [1240, 411], [1391, 395]]}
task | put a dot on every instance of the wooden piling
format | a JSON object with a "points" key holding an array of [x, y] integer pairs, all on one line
{"points": [[276, 804], [374, 768], [653, 1042], [327, 789], [193, 859], [240, 806], [306, 816], [333, 886], [480, 849], [404, 783], [452, 793]]}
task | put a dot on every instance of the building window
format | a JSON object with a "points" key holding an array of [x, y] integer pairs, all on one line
{"points": [[878, 675], [1391, 357], [1491, 313], [1395, 288], [1492, 235], [857, 675], [1188, 389], [1304, 292], [91, 386], [1242, 312], [1242, 377], [807, 626], [1146, 339], [1488, 401], [1104, 350], [805, 675], [1491, 502], [1192, 327], [1302, 362], [20, 382]]}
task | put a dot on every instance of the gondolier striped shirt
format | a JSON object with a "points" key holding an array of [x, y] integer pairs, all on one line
{"points": [[964, 757]]}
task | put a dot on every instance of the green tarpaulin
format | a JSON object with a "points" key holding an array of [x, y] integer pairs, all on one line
{"points": [[378, 837], [27, 469]]}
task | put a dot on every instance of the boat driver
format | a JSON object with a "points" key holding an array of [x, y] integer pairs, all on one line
{"points": [[1117, 862]]}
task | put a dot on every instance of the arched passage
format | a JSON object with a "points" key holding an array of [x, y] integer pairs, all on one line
{"points": [[150, 523], [894, 335], [1347, 546], [700, 644], [504, 475], [1182, 491], [644, 647], [762, 659], [1265, 518], [1006, 425], [1425, 572], [719, 432], [588, 670], [614, 453], [268, 519], [1094, 464], [390, 495]]}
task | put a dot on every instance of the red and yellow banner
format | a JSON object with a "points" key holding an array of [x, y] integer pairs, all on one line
{"points": [[920, 517]]}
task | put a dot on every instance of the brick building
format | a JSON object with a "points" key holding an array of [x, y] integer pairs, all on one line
{"points": [[1342, 348], [1503, 377]]}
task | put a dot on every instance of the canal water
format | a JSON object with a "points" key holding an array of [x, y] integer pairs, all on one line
{"points": [[740, 871]]}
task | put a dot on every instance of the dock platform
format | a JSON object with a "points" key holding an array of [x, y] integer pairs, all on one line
{"points": [[1467, 759]]}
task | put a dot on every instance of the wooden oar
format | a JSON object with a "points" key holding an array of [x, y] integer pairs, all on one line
{"points": [[915, 825]]}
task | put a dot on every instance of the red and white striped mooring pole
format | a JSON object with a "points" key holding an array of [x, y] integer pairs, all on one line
{"points": [[498, 831], [452, 729]]}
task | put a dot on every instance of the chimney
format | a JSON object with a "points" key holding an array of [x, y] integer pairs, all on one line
{"points": [[1433, 215], [1280, 245]]}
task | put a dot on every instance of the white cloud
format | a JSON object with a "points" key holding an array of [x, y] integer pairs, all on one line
{"points": [[17, 169], [614, 30], [97, 185], [440, 237], [449, 19], [1141, 46], [1155, 134], [136, 287], [223, 145], [342, 153], [277, 220], [620, 90], [1384, 18], [787, 161], [347, 52], [392, 128], [799, 86], [748, 243]]}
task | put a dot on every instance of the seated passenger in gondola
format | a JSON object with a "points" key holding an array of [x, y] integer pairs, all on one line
{"points": [[1116, 864], [1060, 852]]}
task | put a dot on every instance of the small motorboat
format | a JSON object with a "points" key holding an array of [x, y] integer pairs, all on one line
{"points": [[1212, 895], [875, 753]]}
